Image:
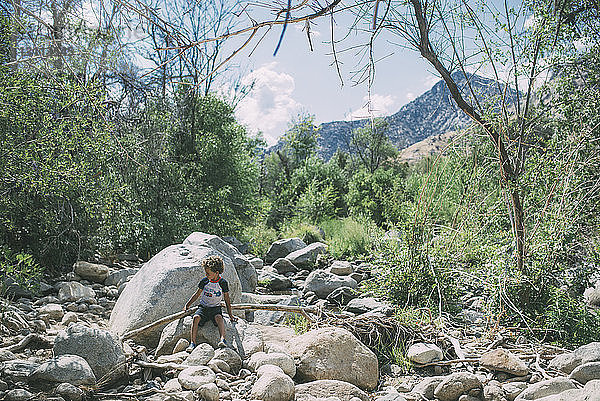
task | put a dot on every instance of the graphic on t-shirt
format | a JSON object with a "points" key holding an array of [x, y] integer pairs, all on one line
{"points": [[212, 291]]}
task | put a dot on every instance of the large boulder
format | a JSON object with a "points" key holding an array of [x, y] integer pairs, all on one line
{"points": [[568, 361], [334, 353], [284, 361], [71, 369], [502, 360], [119, 277], [100, 348], [456, 384], [273, 386], [91, 271], [283, 247], [324, 283], [163, 286], [329, 388], [546, 388], [306, 257], [73, 291], [245, 339], [245, 270]]}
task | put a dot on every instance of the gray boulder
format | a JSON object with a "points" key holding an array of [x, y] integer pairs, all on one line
{"points": [[570, 360], [71, 369], [245, 339], [306, 257], [363, 305], [283, 247], [284, 361], [273, 386], [73, 291], [502, 360], [546, 388], [329, 388], [18, 370], [245, 270], [274, 281], [323, 283], [423, 353], [230, 357], [282, 266], [195, 376], [426, 387], [341, 268], [586, 372], [100, 348], [592, 295], [119, 277], [456, 384], [91, 271], [342, 295], [163, 286], [200, 355], [334, 353]]}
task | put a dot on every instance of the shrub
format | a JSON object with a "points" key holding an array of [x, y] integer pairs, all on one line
{"points": [[306, 232], [20, 268], [349, 237]]}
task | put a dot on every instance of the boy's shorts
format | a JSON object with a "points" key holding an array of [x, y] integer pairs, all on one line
{"points": [[207, 313]]}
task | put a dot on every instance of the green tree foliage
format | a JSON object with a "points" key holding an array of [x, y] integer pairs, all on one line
{"points": [[370, 145], [55, 152]]}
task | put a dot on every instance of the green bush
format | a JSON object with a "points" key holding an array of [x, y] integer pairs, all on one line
{"points": [[260, 237], [349, 237], [306, 232], [20, 268]]}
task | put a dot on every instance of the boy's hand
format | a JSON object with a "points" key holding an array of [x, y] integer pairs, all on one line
{"points": [[233, 318]]}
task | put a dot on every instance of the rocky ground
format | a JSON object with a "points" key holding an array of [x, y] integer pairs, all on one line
{"points": [[75, 340]]}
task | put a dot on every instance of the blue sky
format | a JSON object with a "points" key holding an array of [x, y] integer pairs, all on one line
{"points": [[298, 80]]}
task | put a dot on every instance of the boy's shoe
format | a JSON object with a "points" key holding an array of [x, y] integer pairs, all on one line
{"points": [[190, 347], [222, 343]]}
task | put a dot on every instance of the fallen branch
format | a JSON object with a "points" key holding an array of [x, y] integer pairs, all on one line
{"points": [[165, 365], [304, 311], [41, 342]]}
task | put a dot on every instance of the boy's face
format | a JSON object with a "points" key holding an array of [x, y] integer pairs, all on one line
{"points": [[211, 275]]}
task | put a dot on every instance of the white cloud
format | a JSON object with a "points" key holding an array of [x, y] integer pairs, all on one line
{"points": [[429, 81], [377, 106], [270, 105], [410, 96]]}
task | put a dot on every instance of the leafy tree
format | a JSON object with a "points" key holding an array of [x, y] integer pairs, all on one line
{"points": [[371, 145]]}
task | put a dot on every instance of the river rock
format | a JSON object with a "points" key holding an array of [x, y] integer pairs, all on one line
{"points": [[306, 257], [162, 286], [195, 376], [334, 353], [283, 247], [274, 281], [456, 384], [546, 388], [341, 268], [502, 360], [568, 361], [91, 271], [423, 353], [282, 266], [18, 394], [52, 311], [342, 295], [73, 291], [284, 361], [208, 392], [273, 386], [200, 355], [231, 357], [18, 370], [71, 369], [586, 372], [69, 392], [245, 339], [329, 388], [426, 387], [323, 283], [100, 348], [119, 277]]}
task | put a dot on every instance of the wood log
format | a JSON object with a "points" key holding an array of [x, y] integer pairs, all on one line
{"points": [[304, 311]]}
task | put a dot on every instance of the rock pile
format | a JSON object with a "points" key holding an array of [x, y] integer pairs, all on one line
{"points": [[65, 344]]}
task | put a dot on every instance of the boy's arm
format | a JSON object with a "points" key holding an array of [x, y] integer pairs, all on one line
{"points": [[193, 299], [228, 305]]}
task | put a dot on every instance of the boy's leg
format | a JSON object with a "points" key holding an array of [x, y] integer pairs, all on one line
{"points": [[194, 332], [220, 325]]}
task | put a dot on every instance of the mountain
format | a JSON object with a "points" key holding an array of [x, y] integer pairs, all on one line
{"points": [[432, 113]]}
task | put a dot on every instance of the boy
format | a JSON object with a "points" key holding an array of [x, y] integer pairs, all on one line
{"points": [[212, 289]]}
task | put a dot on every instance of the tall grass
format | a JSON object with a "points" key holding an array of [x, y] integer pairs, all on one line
{"points": [[349, 237]]}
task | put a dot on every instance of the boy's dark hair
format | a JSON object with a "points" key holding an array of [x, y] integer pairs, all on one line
{"points": [[214, 263]]}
